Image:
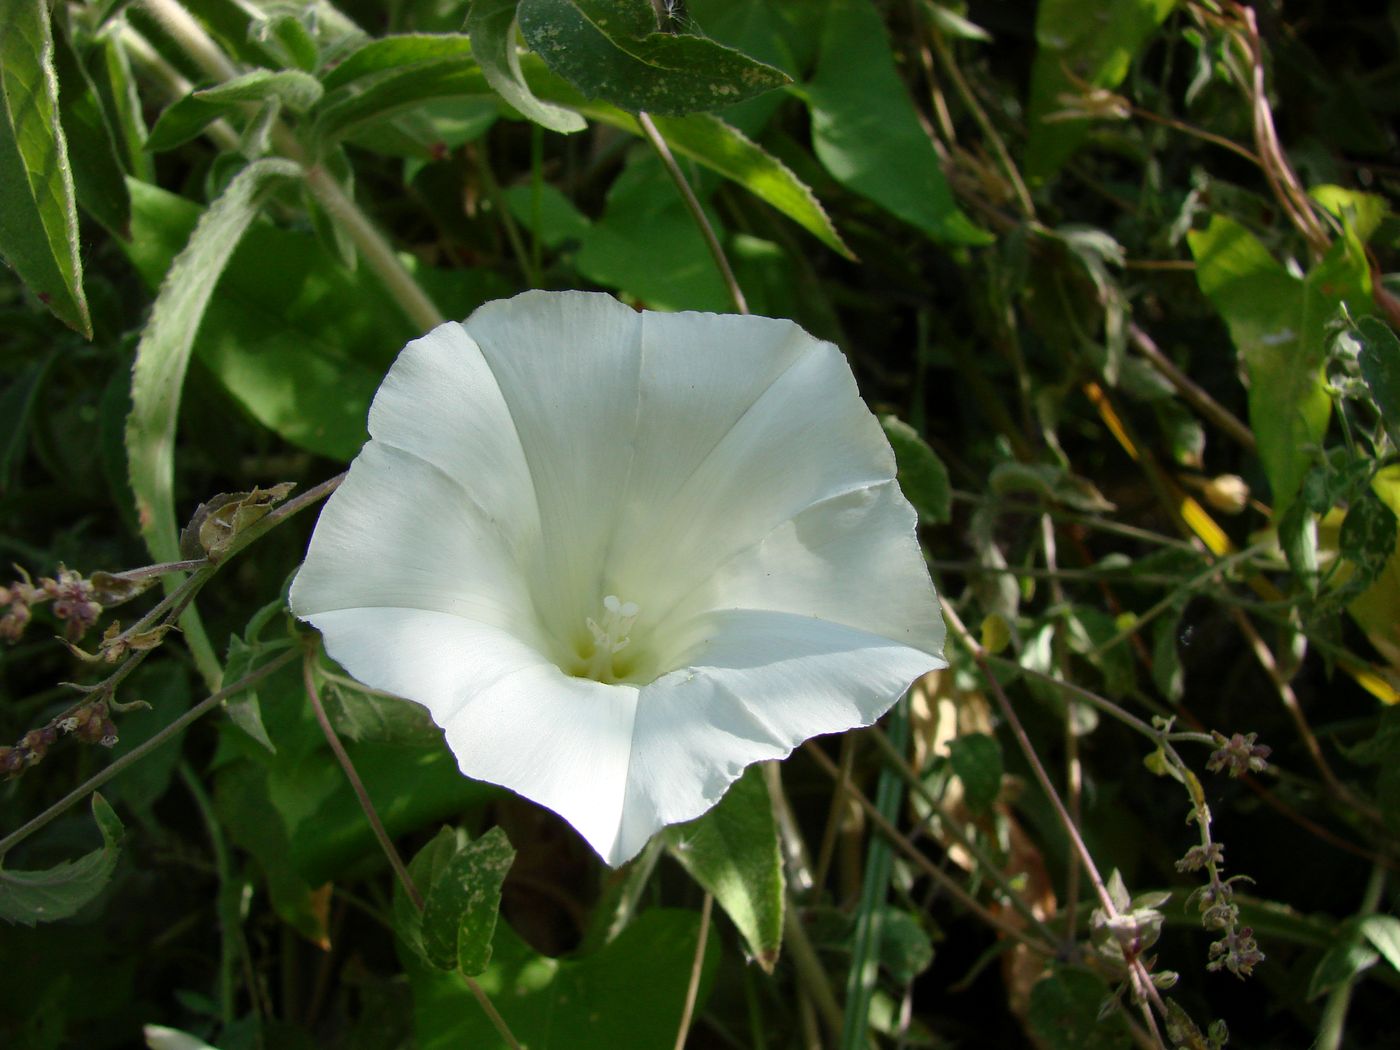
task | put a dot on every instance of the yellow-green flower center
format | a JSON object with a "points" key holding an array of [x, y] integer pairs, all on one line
{"points": [[606, 653]]}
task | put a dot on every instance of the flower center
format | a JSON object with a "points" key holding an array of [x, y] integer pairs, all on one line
{"points": [[606, 654]]}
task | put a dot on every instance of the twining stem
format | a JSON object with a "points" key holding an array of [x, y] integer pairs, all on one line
{"points": [[1291, 704], [1146, 991], [308, 672], [308, 675], [658, 143], [141, 750], [692, 989], [1192, 391], [911, 778], [932, 870]]}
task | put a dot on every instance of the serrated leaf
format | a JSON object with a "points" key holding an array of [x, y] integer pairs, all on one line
{"points": [[29, 897], [491, 27], [460, 907], [1380, 368], [922, 476], [611, 50], [294, 89], [38, 205], [866, 131], [733, 852], [163, 354], [976, 759]]}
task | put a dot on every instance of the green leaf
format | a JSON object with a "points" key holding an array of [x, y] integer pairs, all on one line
{"points": [[38, 207], [378, 96], [627, 994], [1343, 962], [1166, 657], [559, 221], [92, 148], [906, 950], [163, 354], [296, 90], [17, 403], [460, 908], [646, 243], [1380, 368], [1383, 931], [976, 759], [29, 897], [183, 120], [395, 53], [611, 50], [1094, 46], [296, 339], [1367, 538], [1064, 1013], [423, 869], [724, 149], [1266, 311], [922, 475], [733, 852], [867, 133], [491, 27]]}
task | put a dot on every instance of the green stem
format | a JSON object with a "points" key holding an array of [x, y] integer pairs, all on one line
{"points": [[692, 203], [1332, 1027], [308, 671], [692, 990], [377, 252]]}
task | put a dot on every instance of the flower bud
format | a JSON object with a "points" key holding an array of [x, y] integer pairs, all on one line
{"points": [[1228, 493]]}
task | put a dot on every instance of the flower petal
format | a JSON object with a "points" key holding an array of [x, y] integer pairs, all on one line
{"points": [[511, 717], [757, 684], [440, 403], [400, 532], [566, 364], [852, 559], [715, 478]]}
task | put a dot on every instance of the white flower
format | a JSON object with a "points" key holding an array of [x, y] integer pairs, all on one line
{"points": [[620, 556]]}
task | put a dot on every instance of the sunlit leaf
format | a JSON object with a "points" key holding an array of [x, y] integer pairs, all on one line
{"points": [[38, 206], [733, 852]]}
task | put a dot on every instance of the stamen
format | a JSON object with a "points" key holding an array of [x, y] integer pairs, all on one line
{"points": [[610, 637]]}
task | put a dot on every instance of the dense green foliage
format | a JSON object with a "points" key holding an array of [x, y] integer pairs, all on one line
{"points": [[1114, 275]]}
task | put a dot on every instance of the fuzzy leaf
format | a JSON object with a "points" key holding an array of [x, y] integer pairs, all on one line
{"points": [[38, 206], [491, 27], [733, 852], [164, 351]]}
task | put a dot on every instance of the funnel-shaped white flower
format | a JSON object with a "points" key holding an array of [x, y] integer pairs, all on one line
{"points": [[621, 556]]}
